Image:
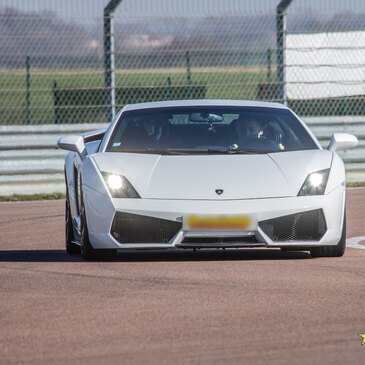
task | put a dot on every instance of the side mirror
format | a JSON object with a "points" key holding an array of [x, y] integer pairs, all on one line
{"points": [[342, 141], [73, 143]]}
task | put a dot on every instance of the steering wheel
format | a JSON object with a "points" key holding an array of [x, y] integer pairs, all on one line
{"points": [[262, 142]]}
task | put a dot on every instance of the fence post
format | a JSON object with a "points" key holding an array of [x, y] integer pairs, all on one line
{"points": [[56, 103], [280, 45], [27, 116], [169, 89], [109, 59], [188, 75], [268, 60], [346, 105]]}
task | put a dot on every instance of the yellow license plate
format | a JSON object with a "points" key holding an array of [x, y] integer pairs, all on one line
{"points": [[219, 222]]}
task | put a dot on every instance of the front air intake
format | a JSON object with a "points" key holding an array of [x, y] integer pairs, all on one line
{"points": [[303, 226], [135, 228]]}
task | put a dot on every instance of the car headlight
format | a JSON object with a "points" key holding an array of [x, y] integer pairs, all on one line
{"points": [[119, 186], [315, 183]]}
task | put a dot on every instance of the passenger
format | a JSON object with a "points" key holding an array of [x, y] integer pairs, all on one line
{"points": [[134, 137]]}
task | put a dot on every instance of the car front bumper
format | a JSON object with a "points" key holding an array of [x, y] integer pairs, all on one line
{"points": [[101, 210]]}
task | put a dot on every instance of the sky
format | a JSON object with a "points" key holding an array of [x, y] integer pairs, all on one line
{"points": [[82, 10]]}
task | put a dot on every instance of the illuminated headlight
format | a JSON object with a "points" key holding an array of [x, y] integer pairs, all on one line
{"points": [[315, 183], [119, 186], [115, 182]]}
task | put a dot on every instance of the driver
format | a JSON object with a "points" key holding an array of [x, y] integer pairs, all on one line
{"points": [[151, 127], [248, 127], [156, 129]]}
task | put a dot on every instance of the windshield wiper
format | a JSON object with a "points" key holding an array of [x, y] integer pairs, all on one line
{"points": [[144, 150], [231, 150], [250, 151], [167, 151], [196, 150], [185, 151]]}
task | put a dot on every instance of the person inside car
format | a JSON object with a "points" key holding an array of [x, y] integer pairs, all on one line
{"points": [[248, 127], [157, 129]]}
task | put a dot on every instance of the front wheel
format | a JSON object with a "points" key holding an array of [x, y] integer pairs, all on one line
{"points": [[332, 251], [71, 247], [88, 253]]}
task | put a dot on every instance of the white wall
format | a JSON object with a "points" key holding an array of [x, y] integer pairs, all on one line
{"points": [[322, 65]]}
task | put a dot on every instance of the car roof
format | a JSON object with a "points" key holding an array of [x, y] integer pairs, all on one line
{"points": [[203, 102]]}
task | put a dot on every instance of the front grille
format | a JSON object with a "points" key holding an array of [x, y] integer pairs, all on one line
{"points": [[230, 241], [135, 228], [306, 226]]}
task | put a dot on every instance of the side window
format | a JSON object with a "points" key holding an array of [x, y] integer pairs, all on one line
{"points": [[92, 147]]}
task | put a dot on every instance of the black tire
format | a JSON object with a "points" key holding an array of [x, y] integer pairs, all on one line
{"points": [[88, 253], [71, 247], [332, 251]]}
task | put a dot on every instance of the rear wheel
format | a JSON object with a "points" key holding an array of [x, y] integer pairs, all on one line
{"points": [[332, 251], [71, 247]]}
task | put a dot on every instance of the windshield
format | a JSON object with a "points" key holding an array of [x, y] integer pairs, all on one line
{"points": [[216, 130]]}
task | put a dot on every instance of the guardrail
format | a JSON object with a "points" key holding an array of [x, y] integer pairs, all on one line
{"points": [[354, 159], [30, 161]]}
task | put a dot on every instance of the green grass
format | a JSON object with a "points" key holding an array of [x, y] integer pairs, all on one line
{"points": [[237, 83], [31, 197], [221, 83], [359, 184]]}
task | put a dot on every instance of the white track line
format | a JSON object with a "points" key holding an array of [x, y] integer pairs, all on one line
{"points": [[353, 242]]}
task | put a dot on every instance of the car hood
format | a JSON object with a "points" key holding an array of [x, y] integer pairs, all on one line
{"points": [[200, 176]]}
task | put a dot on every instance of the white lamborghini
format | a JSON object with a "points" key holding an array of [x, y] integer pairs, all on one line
{"points": [[204, 174]]}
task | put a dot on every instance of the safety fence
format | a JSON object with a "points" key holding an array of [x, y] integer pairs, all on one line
{"points": [[31, 163], [54, 55]]}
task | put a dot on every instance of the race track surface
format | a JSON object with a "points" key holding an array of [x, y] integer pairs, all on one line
{"points": [[252, 306]]}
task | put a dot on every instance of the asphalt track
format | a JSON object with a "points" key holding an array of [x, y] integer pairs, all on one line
{"points": [[252, 306]]}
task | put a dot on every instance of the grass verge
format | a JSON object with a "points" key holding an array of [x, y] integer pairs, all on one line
{"points": [[31, 197], [359, 184], [238, 83]]}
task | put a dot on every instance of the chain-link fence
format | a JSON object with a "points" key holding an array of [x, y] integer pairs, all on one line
{"points": [[325, 59], [52, 55]]}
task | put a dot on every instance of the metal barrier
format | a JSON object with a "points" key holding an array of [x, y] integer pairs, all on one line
{"points": [[30, 160], [32, 163]]}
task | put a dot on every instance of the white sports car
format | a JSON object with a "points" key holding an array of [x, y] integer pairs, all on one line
{"points": [[204, 174]]}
